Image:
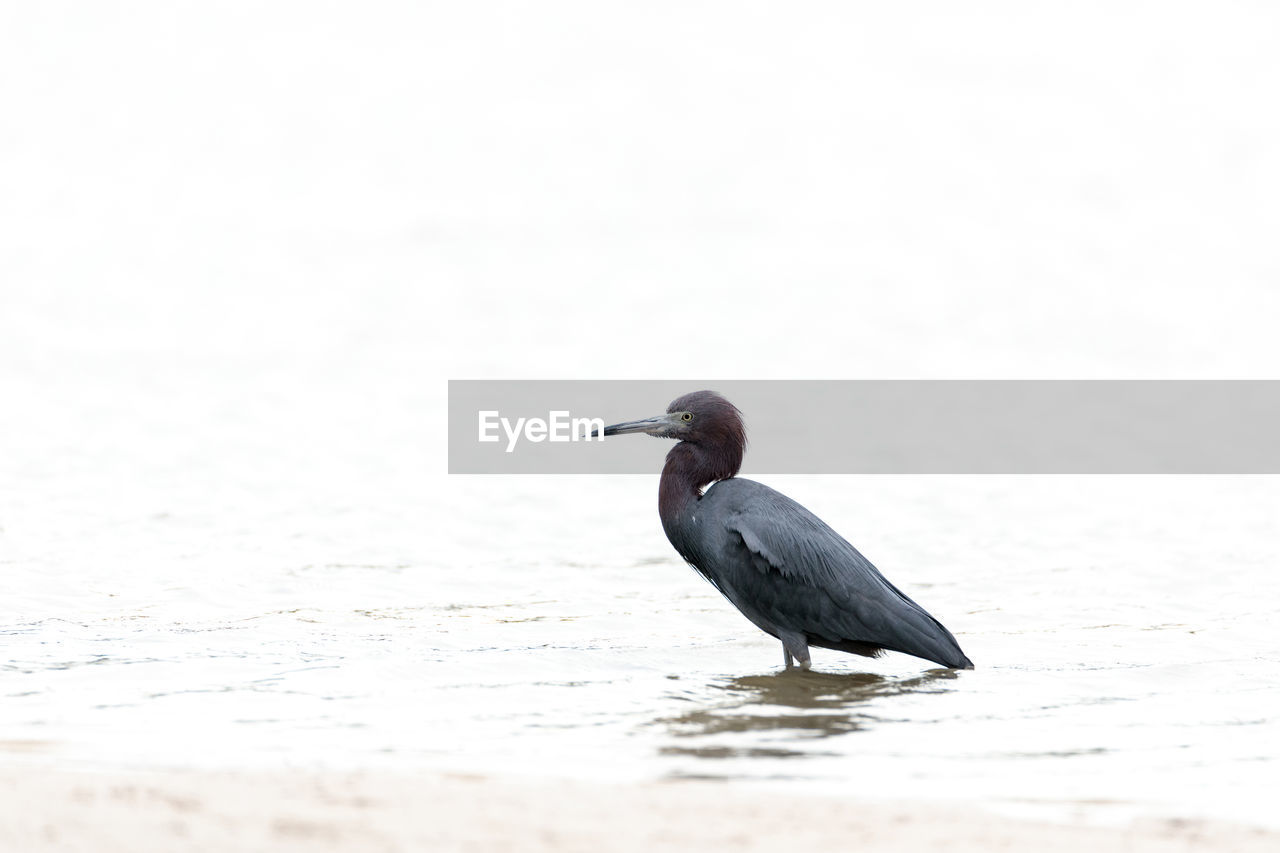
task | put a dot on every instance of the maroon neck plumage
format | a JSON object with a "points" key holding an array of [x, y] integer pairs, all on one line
{"points": [[692, 465]]}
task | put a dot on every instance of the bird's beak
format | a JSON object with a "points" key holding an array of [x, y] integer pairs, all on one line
{"points": [[652, 426]]}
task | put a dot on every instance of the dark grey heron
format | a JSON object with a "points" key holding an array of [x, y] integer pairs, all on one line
{"points": [[794, 577]]}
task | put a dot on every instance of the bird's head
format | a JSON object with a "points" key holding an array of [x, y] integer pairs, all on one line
{"points": [[701, 417]]}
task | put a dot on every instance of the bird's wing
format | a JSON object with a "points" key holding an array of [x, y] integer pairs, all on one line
{"points": [[804, 576], [790, 540]]}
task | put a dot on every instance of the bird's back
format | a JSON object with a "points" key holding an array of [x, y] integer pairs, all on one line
{"points": [[786, 570]]}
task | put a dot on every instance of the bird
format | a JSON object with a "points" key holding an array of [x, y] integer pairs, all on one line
{"points": [[785, 569]]}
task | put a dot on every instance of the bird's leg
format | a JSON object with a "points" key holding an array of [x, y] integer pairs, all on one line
{"points": [[795, 645]]}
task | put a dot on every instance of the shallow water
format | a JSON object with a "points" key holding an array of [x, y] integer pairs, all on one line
{"points": [[1123, 631]]}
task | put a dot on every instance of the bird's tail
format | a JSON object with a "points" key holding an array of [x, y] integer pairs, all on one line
{"points": [[932, 641]]}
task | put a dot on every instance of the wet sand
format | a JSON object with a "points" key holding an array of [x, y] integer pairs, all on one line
{"points": [[46, 810]]}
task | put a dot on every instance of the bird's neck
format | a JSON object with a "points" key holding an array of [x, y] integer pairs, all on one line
{"points": [[688, 469]]}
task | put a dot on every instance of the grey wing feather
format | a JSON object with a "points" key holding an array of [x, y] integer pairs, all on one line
{"points": [[806, 577]]}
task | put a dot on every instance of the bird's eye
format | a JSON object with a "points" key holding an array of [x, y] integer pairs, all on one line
{"points": [[686, 417]]}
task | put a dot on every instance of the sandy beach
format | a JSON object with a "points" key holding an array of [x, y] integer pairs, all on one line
{"points": [[47, 810]]}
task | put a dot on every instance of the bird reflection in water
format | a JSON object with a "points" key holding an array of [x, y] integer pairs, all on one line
{"points": [[792, 706]]}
